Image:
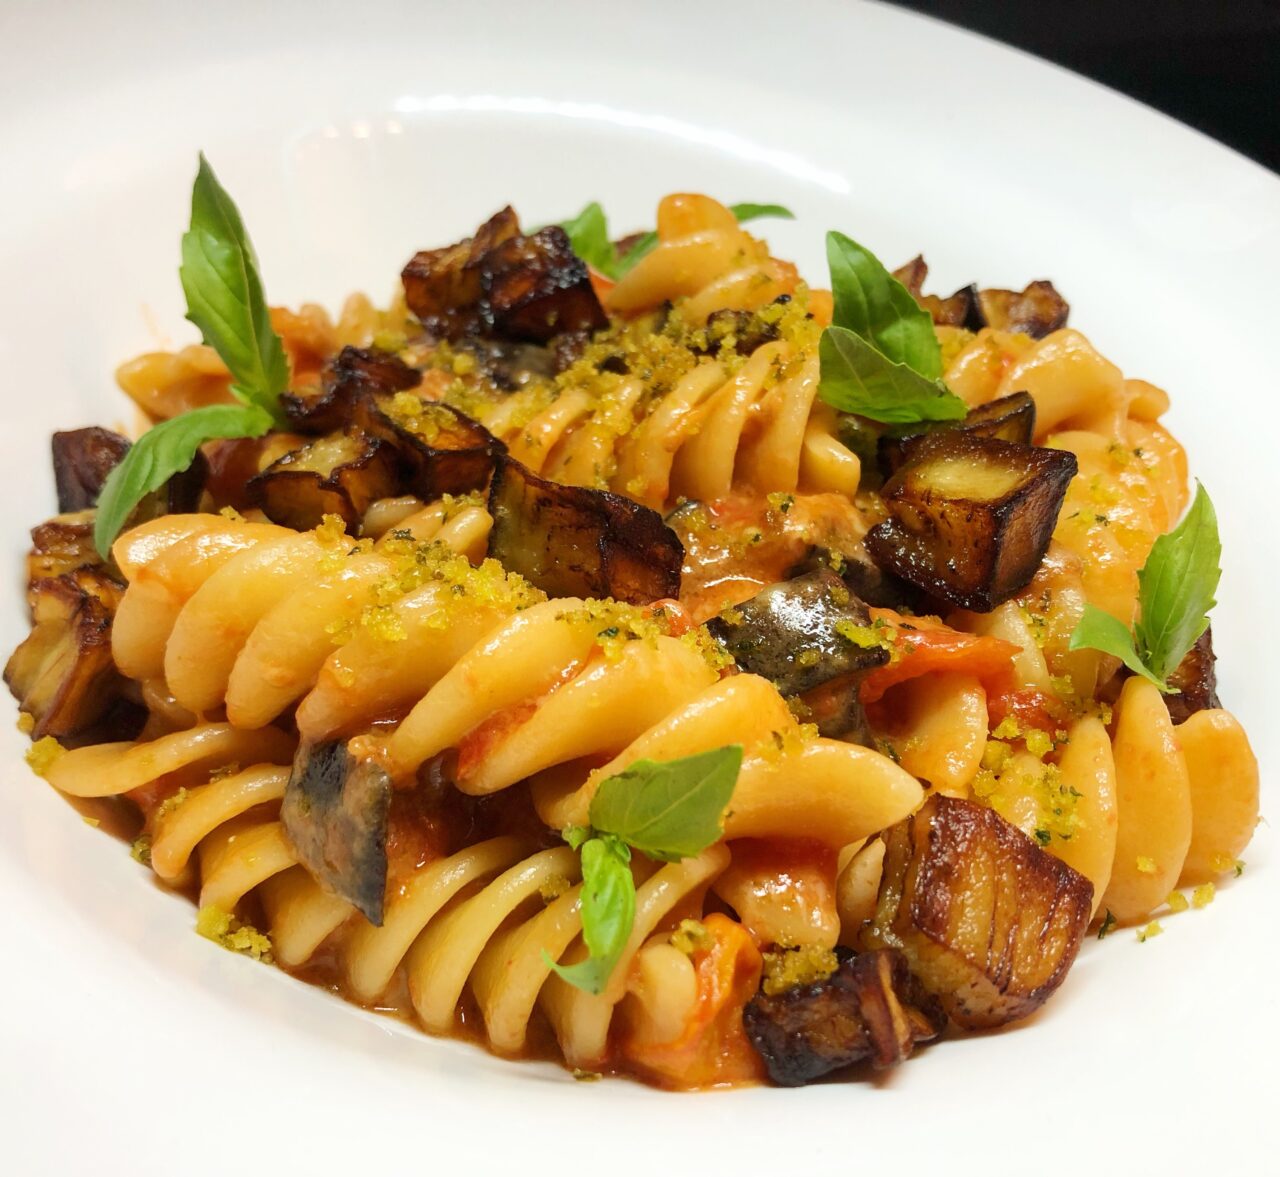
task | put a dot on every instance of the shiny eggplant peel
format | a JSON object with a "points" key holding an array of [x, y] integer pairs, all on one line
{"points": [[335, 812], [988, 921], [82, 459], [1009, 418], [350, 375], [1196, 681], [574, 541], [504, 283], [441, 451], [63, 675], [870, 1010], [340, 474], [970, 517], [797, 633]]}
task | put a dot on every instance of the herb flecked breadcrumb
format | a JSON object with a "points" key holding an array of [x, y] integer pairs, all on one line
{"points": [[790, 967], [41, 755], [223, 928]]}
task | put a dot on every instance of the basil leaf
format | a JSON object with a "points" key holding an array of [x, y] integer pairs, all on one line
{"points": [[669, 809], [643, 244], [225, 301], [871, 302], [1176, 587], [589, 238], [608, 900], [1099, 630], [753, 212], [856, 378], [160, 453]]}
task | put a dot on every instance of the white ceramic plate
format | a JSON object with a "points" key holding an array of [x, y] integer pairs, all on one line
{"points": [[352, 134]]}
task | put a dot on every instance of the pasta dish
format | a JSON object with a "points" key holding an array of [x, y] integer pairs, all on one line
{"points": [[623, 652]]}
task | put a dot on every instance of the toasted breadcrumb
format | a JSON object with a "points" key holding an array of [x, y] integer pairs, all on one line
{"points": [[223, 928]]}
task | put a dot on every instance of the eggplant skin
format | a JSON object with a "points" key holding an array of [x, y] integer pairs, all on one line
{"points": [[63, 674], [352, 373], [870, 1010], [63, 544], [441, 451], [501, 282], [336, 475], [970, 517], [1036, 310], [1196, 680], [988, 921], [788, 633], [82, 459], [573, 541], [335, 814], [1009, 418]]}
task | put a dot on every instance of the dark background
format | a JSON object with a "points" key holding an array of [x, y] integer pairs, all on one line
{"points": [[1214, 64]]}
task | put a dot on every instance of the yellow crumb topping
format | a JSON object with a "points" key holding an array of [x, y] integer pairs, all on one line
{"points": [[691, 936], [169, 804], [791, 967], [1177, 901], [1146, 866], [42, 754], [1226, 863], [223, 928], [26, 722], [140, 851], [713, 653], [617, 623], [232, 514], [1152, 929], [1203, 895]]}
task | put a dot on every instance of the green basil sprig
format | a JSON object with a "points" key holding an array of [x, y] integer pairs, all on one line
{"points": [[1176, 588], [589, 236], [219, 274], [880, 357], [666, 810]]}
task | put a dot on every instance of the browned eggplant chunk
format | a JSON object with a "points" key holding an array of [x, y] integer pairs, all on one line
{"points": [[63, 674], [336, 475], [61, 544], [790, 633], [870, 1010], [1196, 681], [958, 310], [82, 459], [443, 287], [510, 365], [970, 517], [989, 922], [441, 451], [1037, 310], [1009, 418], [503, 283], [537, 287], [353, 372], [335, 813], [573, 541]]}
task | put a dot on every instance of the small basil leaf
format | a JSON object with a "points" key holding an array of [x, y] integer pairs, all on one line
{"points": [[224, 293], [608, 900], [1176, 587], [856, 378], [163, 451], [669, 809], [1099, 630], [871, 302], [753, 212], [589, 238]]}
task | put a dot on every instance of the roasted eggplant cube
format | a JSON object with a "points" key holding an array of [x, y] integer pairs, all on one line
{"points": [[790, 633], [353, 372], [444, 288], [572, 541], [336, 475], [63, 674], [1038, 310], [82, 459], [970, 517], [870, 1010], [441, 451], [989, 922], [1010, 418], [1196, 681], [335, 812], [61, 544], [958, 310], [536, 287]]}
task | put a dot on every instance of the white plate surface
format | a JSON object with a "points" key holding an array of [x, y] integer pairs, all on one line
{"points": [[352, 134]]}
